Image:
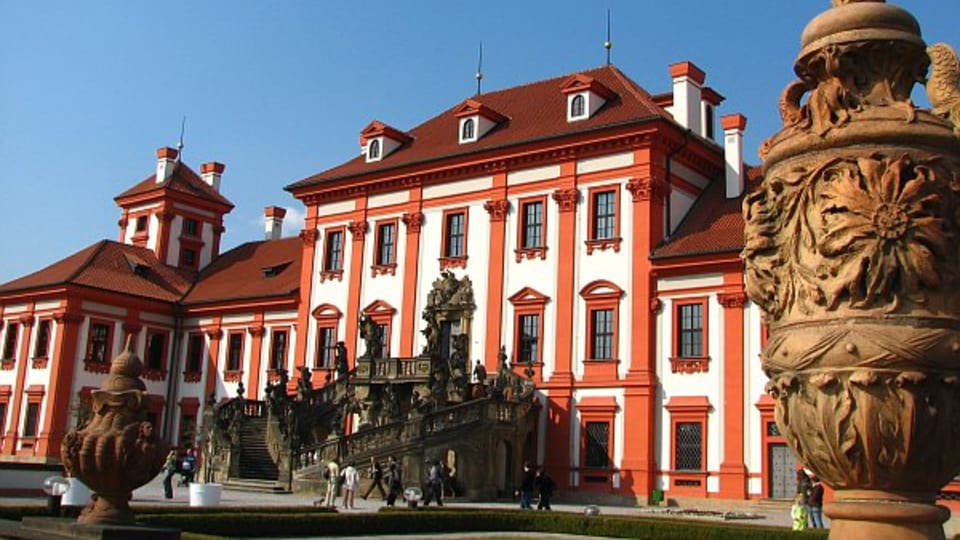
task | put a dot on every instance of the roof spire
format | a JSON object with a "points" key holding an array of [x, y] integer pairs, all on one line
{"points": [[479, 74], [183, 124], [608, 44]]}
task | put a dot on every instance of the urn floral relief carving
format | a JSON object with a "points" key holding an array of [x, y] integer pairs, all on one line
{"points": [[117, 450], [852, 246]]}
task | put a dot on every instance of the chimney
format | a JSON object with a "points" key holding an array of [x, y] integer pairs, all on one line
{"points": [[211, 173], [687, 85], [733, 126], [274, 222], [166, 161]]}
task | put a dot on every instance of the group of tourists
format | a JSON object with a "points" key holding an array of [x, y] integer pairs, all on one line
{"points": [[186, 467], [807, 506], [535, 478], [348, 479]]}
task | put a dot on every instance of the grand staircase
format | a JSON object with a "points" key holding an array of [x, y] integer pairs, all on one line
{"points": [[258, 472]]}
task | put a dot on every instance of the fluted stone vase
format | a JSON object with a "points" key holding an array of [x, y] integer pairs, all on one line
{"points": [[118, 450], [852, 250]]}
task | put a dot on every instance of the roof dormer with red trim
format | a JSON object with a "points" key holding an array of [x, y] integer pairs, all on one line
{"points": [[474, 120], [585, 96], [379, 140]]}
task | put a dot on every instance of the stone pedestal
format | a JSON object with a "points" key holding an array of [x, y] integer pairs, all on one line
{"points": [[884, 515]]}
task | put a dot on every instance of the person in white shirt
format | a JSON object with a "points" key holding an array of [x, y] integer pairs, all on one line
{"points": [[351, 481]]}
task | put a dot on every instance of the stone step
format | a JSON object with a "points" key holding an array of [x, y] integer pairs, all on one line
{"points": [[254, 485]]}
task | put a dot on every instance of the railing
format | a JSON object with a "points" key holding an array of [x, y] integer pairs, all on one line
{"points": [[412, 431], [399, 369], [254, 408]]}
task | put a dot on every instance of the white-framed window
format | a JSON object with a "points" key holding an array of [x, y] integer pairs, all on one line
{"points": [[373, 150], [468, 132], [578, 107]]}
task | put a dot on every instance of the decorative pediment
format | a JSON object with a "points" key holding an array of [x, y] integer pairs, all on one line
{"points": [[472, 107], [326, 312], [579, 82], [528, 296], [379, 307], [601, 288]]}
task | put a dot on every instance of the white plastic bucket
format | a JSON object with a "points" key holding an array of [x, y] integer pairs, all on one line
{"points": [[78, 494], [205, 494]]}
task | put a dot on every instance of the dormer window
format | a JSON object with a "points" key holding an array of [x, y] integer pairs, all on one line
{"points": [[378, 140], [578, 106], [476, 120], [468, 133], [585, 96]]}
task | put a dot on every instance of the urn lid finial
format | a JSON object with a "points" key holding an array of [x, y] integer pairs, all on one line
{"points": [[125, 370], [851, 21]]}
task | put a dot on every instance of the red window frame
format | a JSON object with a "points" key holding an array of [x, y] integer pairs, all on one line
{"points": [[602, 244], [531, 252], [454, 261], [598, 295], [327, 271], [94, 365], [193, 375], [11, 340], [232, 373], [382, 313], [689, 409], [153, 373], [286, 346], [34, 396], [597, 409], [327, 317], [528, 301], [379, 267], [6, 391], [48, 322], [690, 364], [189, 407]]}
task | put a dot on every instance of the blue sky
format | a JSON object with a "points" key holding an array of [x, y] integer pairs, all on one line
{"points": [[280, 90]]}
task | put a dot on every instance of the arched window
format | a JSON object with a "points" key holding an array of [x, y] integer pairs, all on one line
{"points": [[374, 151], [468, 130], [577, 106]]}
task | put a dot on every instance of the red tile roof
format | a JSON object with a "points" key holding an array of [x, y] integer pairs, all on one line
{"points": [[110, 266], [534, 111], [184, 180], [714, 223], [241, 273]]}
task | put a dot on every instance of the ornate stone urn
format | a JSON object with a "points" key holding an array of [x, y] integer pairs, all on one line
{"points": [[117, 451], [852, 250]]}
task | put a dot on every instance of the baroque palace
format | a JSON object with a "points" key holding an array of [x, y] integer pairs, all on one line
{"points": [[600, 228]]}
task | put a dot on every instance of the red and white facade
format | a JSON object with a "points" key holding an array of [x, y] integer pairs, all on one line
{"points": [[599, 225]]}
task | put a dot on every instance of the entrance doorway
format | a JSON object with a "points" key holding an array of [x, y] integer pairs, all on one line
{"points": [[783, 471]]}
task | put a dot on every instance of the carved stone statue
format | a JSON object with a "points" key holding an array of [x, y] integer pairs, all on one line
{"points": [[502, 361], [480, 373], [457, 367], [851, 251], [342, 367], [370, 333], [118, 450], [304, 385]]}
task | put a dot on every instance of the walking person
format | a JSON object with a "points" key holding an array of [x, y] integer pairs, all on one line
{"points": [[376, 477], [546, 486], [815, 503], [188, 468], [800, 512], [332, 475], [170, 467], [351, 481], [526, 486], [434, 485], [394, 481]]}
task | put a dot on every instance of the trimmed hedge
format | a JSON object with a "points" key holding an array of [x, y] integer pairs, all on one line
{"points": [[267, 524]]}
